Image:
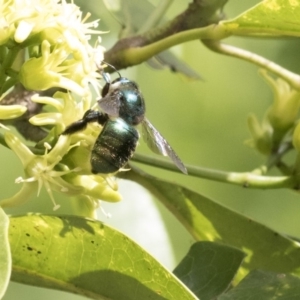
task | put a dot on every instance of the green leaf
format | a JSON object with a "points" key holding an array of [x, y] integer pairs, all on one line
{"points": [[208, 268], [88, 258], [269, 17], [5, 256], [207, 220], [265, 285]]}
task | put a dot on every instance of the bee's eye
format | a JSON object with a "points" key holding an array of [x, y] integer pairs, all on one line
{"points": [[105, 90]]}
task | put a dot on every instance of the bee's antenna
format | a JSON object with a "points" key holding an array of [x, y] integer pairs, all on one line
{"points": [[112, 68]]}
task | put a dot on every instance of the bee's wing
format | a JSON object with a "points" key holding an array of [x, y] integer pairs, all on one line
{"points": [[110, 104], [158, 144]]}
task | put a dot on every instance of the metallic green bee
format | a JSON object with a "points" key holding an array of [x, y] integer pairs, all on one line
{"points": [[123, 108]]}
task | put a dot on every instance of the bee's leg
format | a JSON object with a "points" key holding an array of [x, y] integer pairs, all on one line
{"points": [[89, 117]]}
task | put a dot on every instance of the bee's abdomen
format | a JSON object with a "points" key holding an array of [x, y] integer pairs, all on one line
{"points": [[114, 146]]}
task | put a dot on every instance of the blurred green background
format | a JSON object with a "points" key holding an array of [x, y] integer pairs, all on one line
{"points": [[205, 122]]}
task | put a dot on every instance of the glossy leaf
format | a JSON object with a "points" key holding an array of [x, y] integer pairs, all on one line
{"points": [[207, 220], [269, 17], [209, 268], [88, 258], [265, 285], [5, 256]]}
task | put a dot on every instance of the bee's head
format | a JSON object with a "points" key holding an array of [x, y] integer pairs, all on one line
{"points": [[126, 96]]}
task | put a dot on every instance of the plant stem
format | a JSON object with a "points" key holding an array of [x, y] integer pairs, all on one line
{"points": [[211, 32], [126, 55], [245, 179], [292, 78]]}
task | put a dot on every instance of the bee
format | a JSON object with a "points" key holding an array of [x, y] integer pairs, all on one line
{"points": [[123, 108]]}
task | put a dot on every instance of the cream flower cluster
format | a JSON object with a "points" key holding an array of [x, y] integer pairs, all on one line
{"points": [[46, 44]]}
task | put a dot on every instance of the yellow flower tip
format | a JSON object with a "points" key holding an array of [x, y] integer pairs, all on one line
{"points": [[23, 31], [71, 85], [99, 55], [124, 170], [4, 127], [56, 207], [18, 180], [64, 190], [11, 111], [110, 195], [60, 149], [47, 146], [56, 103], [46, 119]]}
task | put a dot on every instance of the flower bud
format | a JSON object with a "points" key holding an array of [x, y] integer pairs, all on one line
{"points": [[261, 135], [11, 111], [283, 112]]}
